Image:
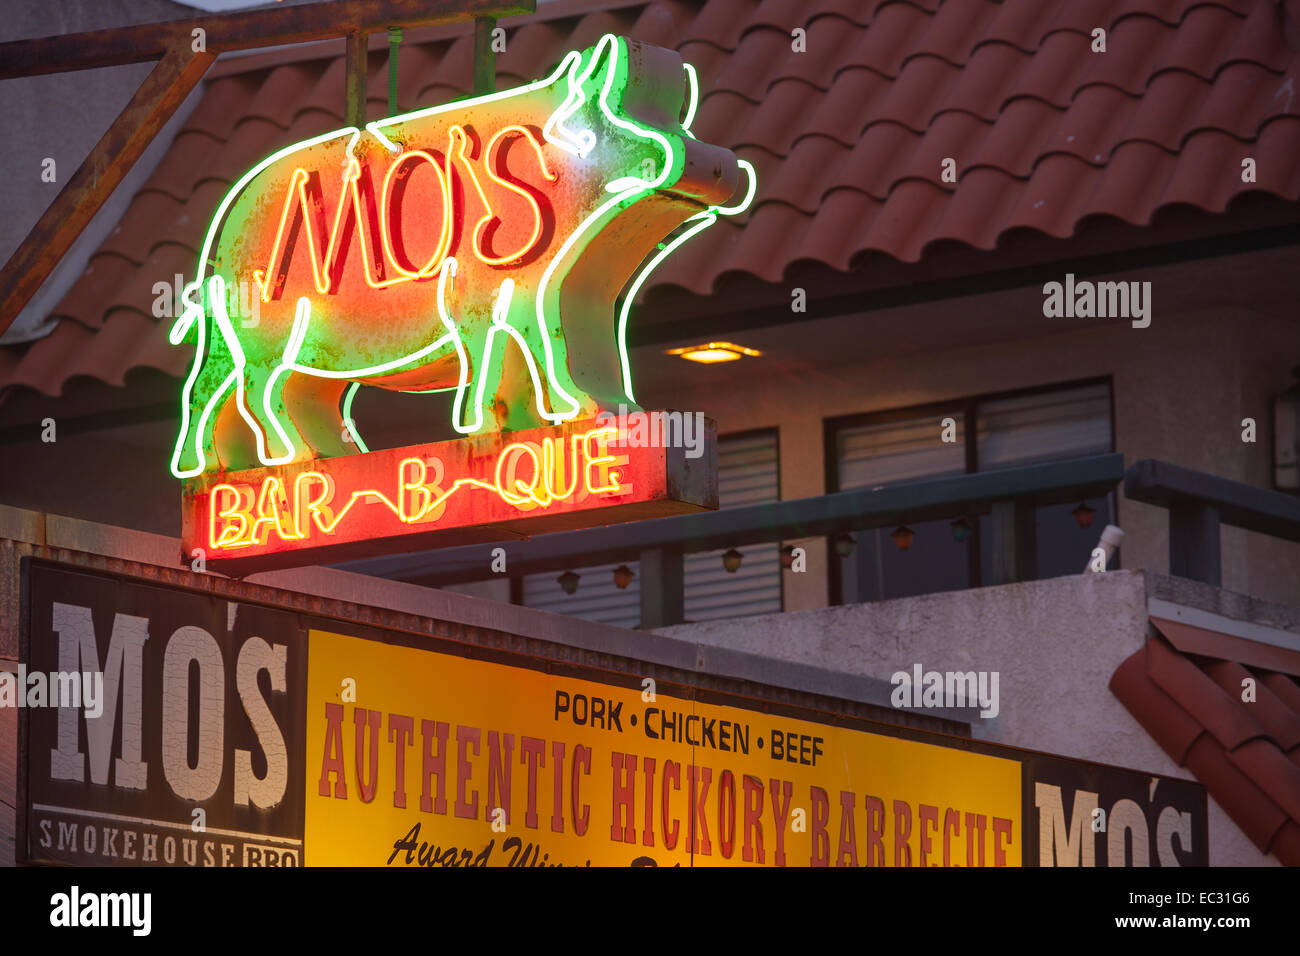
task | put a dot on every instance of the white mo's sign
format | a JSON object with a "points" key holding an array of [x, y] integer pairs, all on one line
{"points": [[187, 760]]}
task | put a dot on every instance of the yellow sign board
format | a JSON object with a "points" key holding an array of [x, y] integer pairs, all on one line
{"points": [[418, 758]]}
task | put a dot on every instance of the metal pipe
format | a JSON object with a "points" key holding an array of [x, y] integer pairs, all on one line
{"points": [[485, 58], [394, 41]]}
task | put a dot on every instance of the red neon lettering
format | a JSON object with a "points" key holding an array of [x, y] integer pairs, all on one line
{"points": [[235, 515], [241, 517], [391, 215], [383, 242], [327, 250]]}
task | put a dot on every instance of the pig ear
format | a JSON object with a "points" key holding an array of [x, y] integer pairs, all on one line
{"points": [[604, 61]]}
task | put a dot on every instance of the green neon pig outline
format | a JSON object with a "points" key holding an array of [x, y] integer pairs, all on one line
{"points": [[206, 299]]}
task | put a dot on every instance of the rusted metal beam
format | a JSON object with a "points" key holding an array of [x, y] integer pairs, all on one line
{"points": [[153, 104], [250, 29], [354, 96], [485, 58]]}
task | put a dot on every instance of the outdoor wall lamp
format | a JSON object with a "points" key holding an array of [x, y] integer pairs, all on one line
{"points": [[622, 576], [569, 582], [844, 543], [731, 560], [711, 352], [1084, 515], [903, 536]]}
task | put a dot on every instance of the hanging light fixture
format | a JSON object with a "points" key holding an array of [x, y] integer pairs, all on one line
{"points": [[1084, 515], [903, 536], [844, 543], [710, 352], [731, 560], [623, 576], [568, 581], [960, 530]]}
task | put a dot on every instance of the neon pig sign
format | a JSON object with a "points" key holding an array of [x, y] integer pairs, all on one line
{"points": [[414, 255]]}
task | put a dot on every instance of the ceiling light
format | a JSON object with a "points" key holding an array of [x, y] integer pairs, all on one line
{"points": [[713, 352]]}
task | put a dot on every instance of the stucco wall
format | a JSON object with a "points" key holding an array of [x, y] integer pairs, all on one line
{"points": [[1055, 645]]}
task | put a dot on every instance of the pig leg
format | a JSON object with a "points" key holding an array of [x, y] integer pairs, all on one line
{"points": [[505, 385], [557, 396], [211, 379], [313, 406], [262, 405], [512, 385], [232, 439], [473, 414]]}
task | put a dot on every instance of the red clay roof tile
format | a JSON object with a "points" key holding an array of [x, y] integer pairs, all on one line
{"points": [[1242, 750], [1173, 728], [84, 302], [1286, 689], [1248, 805], [1272, 772], [1194, 691], [1279, 721]]}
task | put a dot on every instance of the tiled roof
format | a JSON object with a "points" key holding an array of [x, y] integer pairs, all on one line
{"points": [[1247, 753], [848, 137]]}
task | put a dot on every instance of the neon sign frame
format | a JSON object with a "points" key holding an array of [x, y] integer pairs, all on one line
{"points": [[482, 488]]}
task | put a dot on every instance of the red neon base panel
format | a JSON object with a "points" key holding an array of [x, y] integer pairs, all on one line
{"points": [[492, 488]]}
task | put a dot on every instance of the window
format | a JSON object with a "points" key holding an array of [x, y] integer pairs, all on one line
{"points": [[747, 475], [1008, 431]]}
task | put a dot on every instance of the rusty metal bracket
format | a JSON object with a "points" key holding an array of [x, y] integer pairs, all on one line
{"points": [[153, 104], [354, 94], [248, 30]]}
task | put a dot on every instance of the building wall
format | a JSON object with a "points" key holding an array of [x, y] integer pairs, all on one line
{"points": [[1054, 644], [1181, 389]]}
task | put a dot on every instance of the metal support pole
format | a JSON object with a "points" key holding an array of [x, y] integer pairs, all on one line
{"points": [[485, 59], [1015, 542], [1194, 542], [354, 108], [662, 588], [394, 41]]}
